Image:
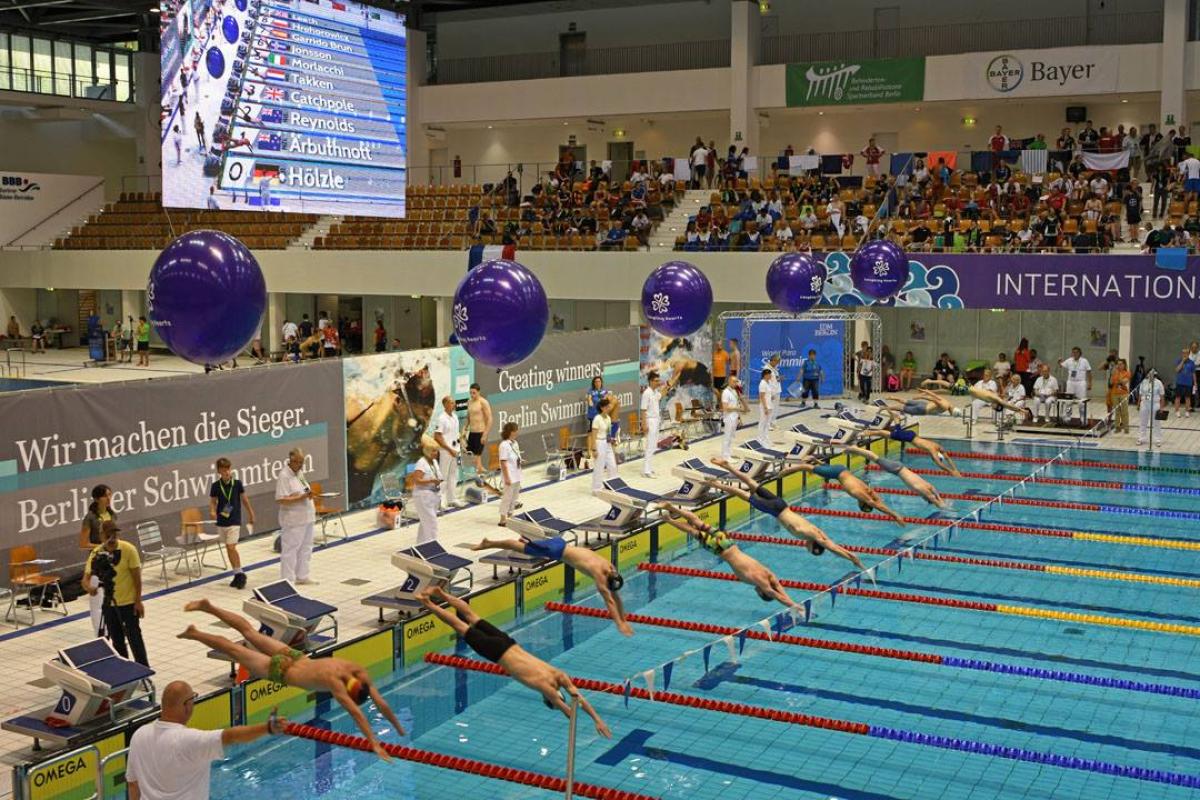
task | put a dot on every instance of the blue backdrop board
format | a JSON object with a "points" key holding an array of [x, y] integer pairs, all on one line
{"points": [[791, 339]]}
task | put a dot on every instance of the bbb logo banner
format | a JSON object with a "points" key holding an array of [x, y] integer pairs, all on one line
{"points": [[791, 340]]}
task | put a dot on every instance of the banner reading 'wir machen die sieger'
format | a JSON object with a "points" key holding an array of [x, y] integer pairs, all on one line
{"points": [[154, 443]]}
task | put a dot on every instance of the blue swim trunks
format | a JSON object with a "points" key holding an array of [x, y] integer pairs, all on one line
{"points": [[916, 408], [899, 434], [546, 548], [829, 472], [768, 503], [889, 465]]}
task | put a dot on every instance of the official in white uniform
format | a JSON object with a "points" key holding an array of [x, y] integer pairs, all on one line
{"points": [[1079, 379], [766, 406], [1016, 391], [297, 515], [604, 460], [985, 383], [510, 470], [776, 391], [651, 421], [446, 436], [427, 484], [1152, 397], [731, 414], [1045, 389]]}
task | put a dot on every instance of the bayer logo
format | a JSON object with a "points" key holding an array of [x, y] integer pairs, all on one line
{"points": [[1004, 73]]}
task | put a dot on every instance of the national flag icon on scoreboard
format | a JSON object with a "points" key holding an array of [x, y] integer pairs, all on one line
{"points": [[374, 15], [271, 93], [265, 170], [339, 6], [278, 47], [270, 115], [269, 141], [278, 34], [281, 23], [280, 13], [276, 75], [277, 60]]}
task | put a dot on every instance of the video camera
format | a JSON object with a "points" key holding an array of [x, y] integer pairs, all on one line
{"points": [[104, 567]]}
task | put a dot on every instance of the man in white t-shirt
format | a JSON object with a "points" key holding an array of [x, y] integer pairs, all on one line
{"points": [[1079, 380], [1152, 396], [289, 330], [699, 159], [766, 406], [445, 433], [170, 761], [1045, 388], [651, 411], [297, 515], [987, 384], [1189, 170], [731, 413]]}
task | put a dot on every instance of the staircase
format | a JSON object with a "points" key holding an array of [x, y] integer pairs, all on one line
{"points": [[319, 228], [663, 237]]}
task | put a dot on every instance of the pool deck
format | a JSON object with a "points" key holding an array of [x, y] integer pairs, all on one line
{"points": [[347, 571]]}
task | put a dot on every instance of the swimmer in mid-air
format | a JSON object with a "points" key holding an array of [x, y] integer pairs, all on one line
{"points": [[853, 485], [898, 433], [273, 660], [926, 403], [717, 542], [602, 572], [985, 395], [498, 647], [761, 499], [910, 478]]}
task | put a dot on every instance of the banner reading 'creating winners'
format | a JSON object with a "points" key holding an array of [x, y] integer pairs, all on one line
{"points": [[834, 83]]}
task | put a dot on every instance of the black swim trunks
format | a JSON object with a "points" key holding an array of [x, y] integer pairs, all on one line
{"points": [[766, 502], [475, 444], [487, 640]]}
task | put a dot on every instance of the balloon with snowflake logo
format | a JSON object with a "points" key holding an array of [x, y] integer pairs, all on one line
{"points": [[500, 313], [795, 282], [879, 269], [677, 299]]}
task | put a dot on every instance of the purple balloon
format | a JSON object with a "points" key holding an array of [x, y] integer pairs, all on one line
{"points": [[206, 296], [214, 59], [795, 282], [500, 313], [879, 269], [229, 27], [677, 299]]}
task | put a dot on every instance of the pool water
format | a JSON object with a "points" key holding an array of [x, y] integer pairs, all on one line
{"points": [[678, 752]]}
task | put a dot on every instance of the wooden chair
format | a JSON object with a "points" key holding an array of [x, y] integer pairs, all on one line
{"points": [[327, 513], [197, 540], [24, 576]]}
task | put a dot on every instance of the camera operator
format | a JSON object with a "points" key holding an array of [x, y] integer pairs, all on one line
{"points": [[118, 568]]}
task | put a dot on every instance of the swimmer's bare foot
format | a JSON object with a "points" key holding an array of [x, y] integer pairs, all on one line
{"points": [[203, 604], [190, 633], [483, 545], [625, 628], [721, 462]]}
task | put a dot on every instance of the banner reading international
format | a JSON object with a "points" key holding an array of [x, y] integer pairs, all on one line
{"points": [[548, 390], [154, 444], [837, 83]]}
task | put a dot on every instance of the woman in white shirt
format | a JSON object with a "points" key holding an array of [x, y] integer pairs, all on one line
{"points": [[604, 461], [427, 484], [510, 470], [866, 371], [1001, 368]]}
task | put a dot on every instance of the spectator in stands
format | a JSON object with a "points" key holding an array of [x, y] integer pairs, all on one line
{"points": [[710, 162], [943, 172], [945, 369], [919, 237], [698, 159], [1089, 138], [1108, 141], [1132, 147], [1038, 143], [873, 153], [1189, 172], [1181, 141], [836, 210], [784, 235], [640, 225], [1163, 150], [1160, 183], [751, 238], [997, 144], [1099, 186], [13, 331], [1065, 140]]}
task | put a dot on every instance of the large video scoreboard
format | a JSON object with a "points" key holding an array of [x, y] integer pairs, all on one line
{"points": [[285, 105]]}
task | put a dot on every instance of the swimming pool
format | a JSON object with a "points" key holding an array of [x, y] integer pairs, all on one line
{"points": [[1059, 664]]}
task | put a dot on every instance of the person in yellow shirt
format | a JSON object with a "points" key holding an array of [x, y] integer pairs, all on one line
{"points": [[118, 568], [720, 366]]}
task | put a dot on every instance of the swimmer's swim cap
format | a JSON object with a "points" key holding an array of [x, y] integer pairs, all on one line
{"points": [[816, 549], [615, 582], [359, 691], [764, 596], [864, 506]]}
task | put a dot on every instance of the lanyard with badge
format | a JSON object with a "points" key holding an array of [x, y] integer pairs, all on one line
{"points": [[228, 495]]}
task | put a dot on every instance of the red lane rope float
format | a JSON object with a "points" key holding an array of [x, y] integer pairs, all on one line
{"points": [[673, 698], [1016, 501], [990, 476], [727, 630], [888, 551], [914, 451], [874, 594], [470, 765]]}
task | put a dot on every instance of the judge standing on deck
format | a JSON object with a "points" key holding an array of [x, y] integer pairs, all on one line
{"points": [[446, 436], [426, 489], [651, 420], [731, 414], [297, 515], [604, 461]]}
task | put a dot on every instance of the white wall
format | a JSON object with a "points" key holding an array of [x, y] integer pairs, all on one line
{"points": [[76, 147], [19, 302]]}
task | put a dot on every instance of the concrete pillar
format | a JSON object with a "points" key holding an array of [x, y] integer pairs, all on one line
{"points": [[146, 128], [1125, 337], [1173, 103], [273, 323], [19, 303], [131, 305], [418, 142], [445, 326], [635, 312], [743, 53]]}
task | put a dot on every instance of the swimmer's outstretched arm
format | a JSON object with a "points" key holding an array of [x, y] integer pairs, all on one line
{"points": [[937, 383], [870, 455], [681, 518], [565, 683], [338, 690], [385, 709], [728, 488], [725, 465]]}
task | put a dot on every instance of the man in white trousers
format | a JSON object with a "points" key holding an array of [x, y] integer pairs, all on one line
{"points": [[651, 420], [604, 461], [731, 414], [446, 436], [776, 390], [1045, 389], [1152, 396], [766, 406], [426, 490], [297, 515], [1079, 379]]}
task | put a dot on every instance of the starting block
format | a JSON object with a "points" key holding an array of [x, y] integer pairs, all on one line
{"points": [[758, 460], [693, 473], [424, 566], [629, 506], [287, 616]]}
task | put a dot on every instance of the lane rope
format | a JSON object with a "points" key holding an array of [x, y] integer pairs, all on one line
{"points": [[846, 726], [1066, 462]]}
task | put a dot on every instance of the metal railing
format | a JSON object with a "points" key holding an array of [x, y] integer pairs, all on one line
{"points": [[964, 37], [14, 367], [570, 793], [713, 53], [20, 79]]}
